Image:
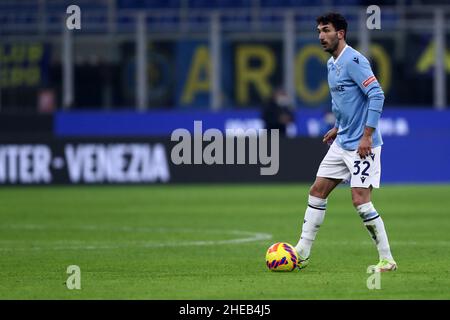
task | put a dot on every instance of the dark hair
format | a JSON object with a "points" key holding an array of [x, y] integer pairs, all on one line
{"points": [[336, 19]]}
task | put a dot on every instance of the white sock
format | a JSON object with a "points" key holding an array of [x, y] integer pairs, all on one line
{"points": [[314, 215], [375, 226]]}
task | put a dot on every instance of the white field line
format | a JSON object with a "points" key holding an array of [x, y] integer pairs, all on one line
{"points": [[241, 237], [8, 245]]}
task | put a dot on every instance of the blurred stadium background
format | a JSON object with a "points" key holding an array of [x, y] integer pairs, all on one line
{"points": [[98, 105], [142, 68]]}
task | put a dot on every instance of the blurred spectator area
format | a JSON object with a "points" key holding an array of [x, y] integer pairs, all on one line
{"points": [[210, 54]]}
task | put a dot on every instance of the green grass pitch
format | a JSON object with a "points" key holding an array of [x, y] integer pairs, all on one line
{"points": [[209, 242]]}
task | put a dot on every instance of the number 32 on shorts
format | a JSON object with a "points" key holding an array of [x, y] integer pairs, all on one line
{"points": [[361, 165]]}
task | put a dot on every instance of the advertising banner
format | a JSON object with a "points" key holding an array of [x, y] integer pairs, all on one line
{"points": [[148, 161]]}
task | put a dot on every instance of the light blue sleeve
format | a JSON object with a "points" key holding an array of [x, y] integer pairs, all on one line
{"points": [[362, 74]]}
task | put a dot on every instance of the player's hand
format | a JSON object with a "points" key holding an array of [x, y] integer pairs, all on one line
{"points": [[365, 147], [330, 136]]}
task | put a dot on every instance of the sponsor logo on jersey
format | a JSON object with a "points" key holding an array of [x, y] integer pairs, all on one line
{"points": [[337, 89]]}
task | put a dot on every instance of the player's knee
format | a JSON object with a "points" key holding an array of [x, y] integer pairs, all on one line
{"points": [[359, 199], [360, 196], [318, 191], [357, 202]]}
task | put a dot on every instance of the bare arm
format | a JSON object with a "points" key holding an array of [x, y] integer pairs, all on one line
{"points": [[330, 136]]}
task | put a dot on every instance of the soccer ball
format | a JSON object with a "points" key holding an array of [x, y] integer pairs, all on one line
{"points": [[281, 256]]}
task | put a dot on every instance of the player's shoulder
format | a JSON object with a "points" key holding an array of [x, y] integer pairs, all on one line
{"points": [[354, 58]]}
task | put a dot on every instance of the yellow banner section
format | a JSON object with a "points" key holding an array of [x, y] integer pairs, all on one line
{"points": [[21, 65], [256, 76]]}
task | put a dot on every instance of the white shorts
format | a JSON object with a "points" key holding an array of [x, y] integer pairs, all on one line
{"points": [[348, 166]]}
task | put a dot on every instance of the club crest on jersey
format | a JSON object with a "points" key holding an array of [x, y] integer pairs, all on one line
{"points": [[338, 70]]}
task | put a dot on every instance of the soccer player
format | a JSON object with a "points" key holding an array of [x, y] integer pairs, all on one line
{"points": [[357, 101]]}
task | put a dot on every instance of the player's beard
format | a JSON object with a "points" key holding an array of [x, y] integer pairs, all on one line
{"points": [[334, 44]]}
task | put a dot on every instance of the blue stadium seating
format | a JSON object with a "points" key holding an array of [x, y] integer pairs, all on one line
{"points": [[156, 4], [210, 4], [289, 3]]}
